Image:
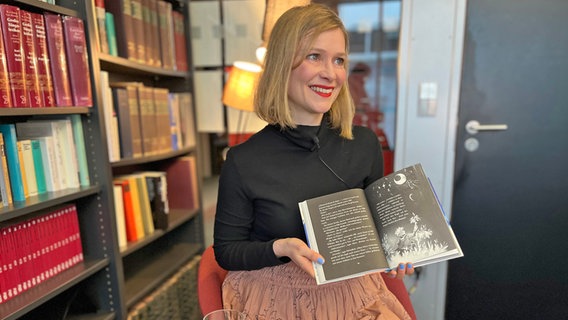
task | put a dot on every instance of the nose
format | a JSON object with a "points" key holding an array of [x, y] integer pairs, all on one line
{"points": [[327, 70]]}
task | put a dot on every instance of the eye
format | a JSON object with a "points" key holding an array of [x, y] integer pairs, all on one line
{"points": [[313, 56], [339, 61]]}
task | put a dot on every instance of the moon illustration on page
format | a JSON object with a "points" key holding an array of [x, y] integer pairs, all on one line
{"points": [[410, 196], [399, 179]]}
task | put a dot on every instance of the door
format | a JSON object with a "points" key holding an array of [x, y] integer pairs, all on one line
{"points": [[510, 206]]}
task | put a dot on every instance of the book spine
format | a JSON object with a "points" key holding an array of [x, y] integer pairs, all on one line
{"points": [[43, 68], [155, 29], [166, 34], [175, 133], [138, 26], [147, 39], [35, 98], [101, 25], [111, 34], [58, 60], [22, 168], [5, 97], [13, 46], [161, 100], [5, 186], [130, 221], [122, 12], [180, 42], [38, 166], [78, 61], [79, 139], [119, 216], [120, 99], [10, 143]]}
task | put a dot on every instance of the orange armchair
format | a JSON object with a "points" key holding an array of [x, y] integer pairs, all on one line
{"points": [[210, 278]]}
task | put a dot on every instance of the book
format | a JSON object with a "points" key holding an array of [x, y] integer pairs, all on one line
{"points": [[180, 43], [8, 131], [5, 187], [5, 97], [186, 119], [22, 168], [134, 112], [120, 101], [58, 60], [145, 209], [129, 217], [397, 218], [38, 166], [79, 139], [110, 118], [181, 174], [78, 61], [138, 26], [175, 130], [122, 12], [166, 34], [43, 67], [119, 215], [101, 25], [29, 172], [162, 120], [50, 163], [15, 57], [156, 184], [35, 98], [155, 31], [111, 34]]}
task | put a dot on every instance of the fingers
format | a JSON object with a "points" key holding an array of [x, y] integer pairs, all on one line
{"points": [[400, 271]]}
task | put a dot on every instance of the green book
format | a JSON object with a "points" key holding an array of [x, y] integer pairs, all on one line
{"points": [[79, 139], [111, 34], [38, 165]]}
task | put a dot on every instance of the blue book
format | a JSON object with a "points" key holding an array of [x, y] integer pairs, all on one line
{"points": [[38, 165], [11, 148], [79, 139], [111, 34]]}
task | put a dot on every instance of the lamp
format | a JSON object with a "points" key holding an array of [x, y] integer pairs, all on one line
{"points": [[238, 92]]}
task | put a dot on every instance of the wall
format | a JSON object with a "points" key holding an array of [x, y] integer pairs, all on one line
{"points": [[430, 54]]}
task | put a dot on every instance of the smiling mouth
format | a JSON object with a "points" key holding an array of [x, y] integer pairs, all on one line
{"points": [[325, 92]]}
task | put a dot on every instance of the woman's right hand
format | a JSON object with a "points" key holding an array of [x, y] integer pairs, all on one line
{"points": [[299, 252]]}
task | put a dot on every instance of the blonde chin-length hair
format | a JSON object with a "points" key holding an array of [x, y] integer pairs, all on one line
{"points": [[290, 40]]}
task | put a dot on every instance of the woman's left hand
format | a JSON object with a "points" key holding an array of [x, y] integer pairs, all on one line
{"points": [[400, 271]]}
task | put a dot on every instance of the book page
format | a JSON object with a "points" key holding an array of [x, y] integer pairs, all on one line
{"points": [[345, 233], [410, 221]]}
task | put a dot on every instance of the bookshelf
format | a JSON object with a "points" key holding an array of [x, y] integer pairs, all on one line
{"points": [[111, 279]]}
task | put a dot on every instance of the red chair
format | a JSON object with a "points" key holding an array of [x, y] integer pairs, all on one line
{"points": [[210, 277]]}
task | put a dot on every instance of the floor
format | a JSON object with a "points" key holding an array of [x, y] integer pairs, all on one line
{"points": [[209, 197]]}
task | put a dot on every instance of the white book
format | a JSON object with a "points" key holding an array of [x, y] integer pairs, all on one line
{"points": [[65, 132], [50, 169], [120, 219], [47, 128]]}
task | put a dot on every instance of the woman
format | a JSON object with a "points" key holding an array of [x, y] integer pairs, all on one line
{"points": [[308, 149]]}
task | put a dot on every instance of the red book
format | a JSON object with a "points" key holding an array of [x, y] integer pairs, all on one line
{"points": [[43, 68], [35, 99], [179, 41], [58, 60], [5, 99], [182, 175], [129, 219], [78, 61], [13, 46]]}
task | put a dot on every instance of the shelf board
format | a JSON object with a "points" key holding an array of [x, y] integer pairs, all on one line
{"points": [[34, 297], [162, 265], [44, 6], [120, 64], [44, 201], [176, 218], [152, 158], [15, 112]]}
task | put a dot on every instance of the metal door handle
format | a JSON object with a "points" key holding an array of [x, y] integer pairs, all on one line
{"points": [[473, 126]]}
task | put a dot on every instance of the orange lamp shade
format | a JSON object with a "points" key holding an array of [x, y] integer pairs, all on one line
{"points": [[238, 92]]}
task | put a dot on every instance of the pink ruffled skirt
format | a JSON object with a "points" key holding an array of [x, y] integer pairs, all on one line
{"points": [[287, 292]]}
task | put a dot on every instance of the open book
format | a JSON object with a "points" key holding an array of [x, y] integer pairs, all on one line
{"points": [[396, 219]]}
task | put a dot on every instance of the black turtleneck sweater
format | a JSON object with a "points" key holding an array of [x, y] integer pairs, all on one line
{"points": [[264, 179]]}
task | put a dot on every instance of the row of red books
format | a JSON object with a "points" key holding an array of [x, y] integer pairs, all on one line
{"points": [[37, 249], [43, 60]]}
